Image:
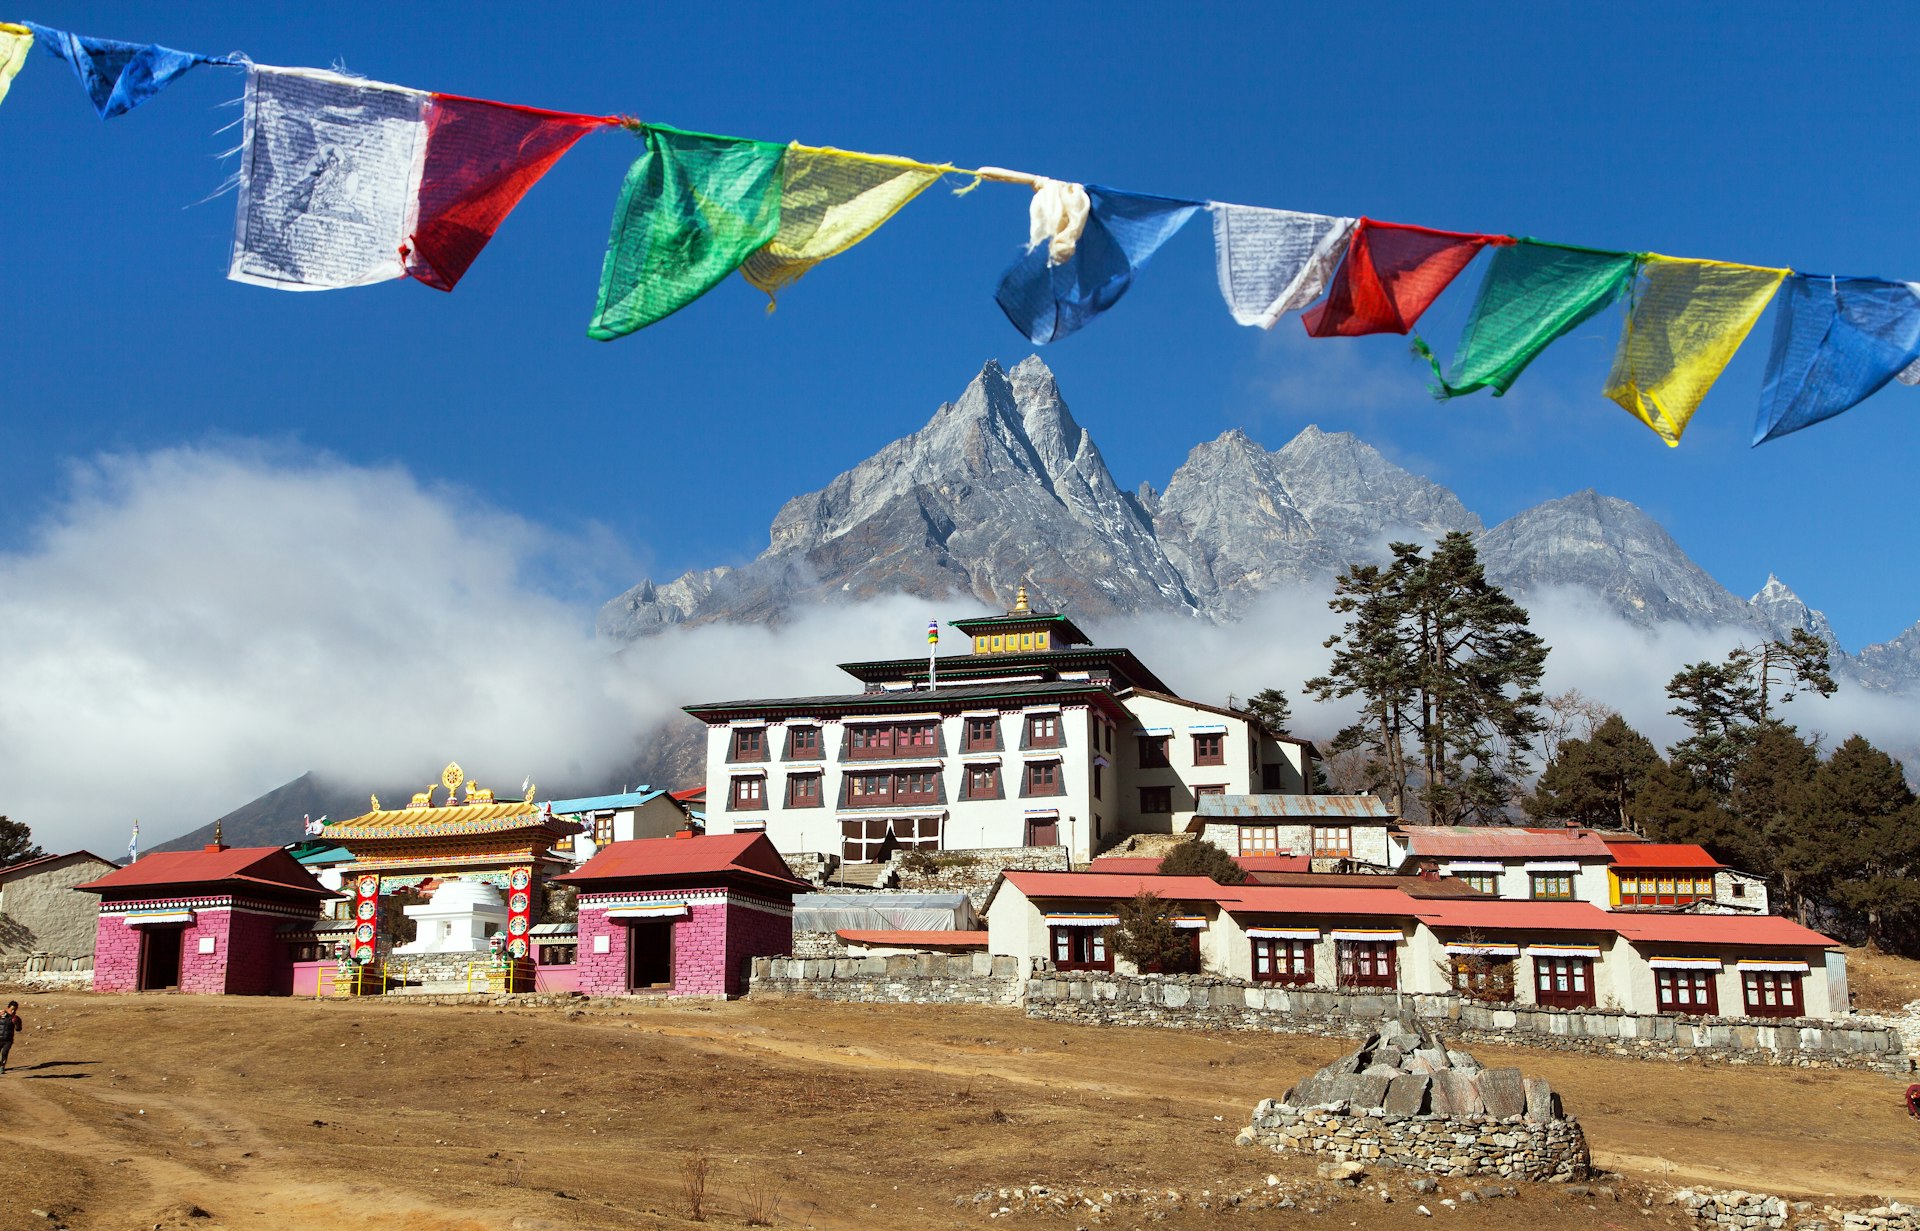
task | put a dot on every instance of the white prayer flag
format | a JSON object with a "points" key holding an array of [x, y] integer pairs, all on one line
{"points": [[1275, 261], [329, 179]]}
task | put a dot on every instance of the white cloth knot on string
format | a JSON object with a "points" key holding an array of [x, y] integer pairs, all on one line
{"points": [[1056, 218]]}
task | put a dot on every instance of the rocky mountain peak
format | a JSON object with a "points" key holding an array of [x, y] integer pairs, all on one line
{"points": [[1783, 611]]}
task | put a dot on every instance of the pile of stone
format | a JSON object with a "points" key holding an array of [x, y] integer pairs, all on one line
{"points": [[1404, 1099], [1738, 1210]]}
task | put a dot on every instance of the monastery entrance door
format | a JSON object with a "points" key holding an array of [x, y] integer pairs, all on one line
{"points": [[160, 958], [649, 955]]}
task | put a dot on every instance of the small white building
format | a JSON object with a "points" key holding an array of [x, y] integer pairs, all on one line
{"points": [[1333, 832], [45, 923], [648, 812], [1534, 865]]}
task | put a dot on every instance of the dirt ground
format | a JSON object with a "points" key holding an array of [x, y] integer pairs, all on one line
{"points": [[194, 1112], [1881, 982]]}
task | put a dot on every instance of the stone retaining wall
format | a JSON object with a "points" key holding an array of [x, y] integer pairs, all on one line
{"points": [[1514, 1148], [928, 978], [1208, 1002], [973, 872], [1738, 1209]]}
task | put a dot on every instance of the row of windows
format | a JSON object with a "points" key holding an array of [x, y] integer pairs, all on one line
{"points": [[1209, 748], [1664, 890], [880, 741], [905, 786], [1329, 841], [1001, 643]]}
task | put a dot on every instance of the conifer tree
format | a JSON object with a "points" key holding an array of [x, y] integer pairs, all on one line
{"points": [[1597, 781], [1770, 797], [1866, 813], [1271, 707], [1720, 705], [1146, 936], [1203, 858], [16, 843]]}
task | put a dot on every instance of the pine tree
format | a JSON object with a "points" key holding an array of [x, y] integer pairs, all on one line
{"points": [[1677, 807], [1271, 707], [1439, 654], [1597, 781], [1770, 797], [1720, 705], [1863, 807], [1801, 660], [1146, 936], [16, 843]]}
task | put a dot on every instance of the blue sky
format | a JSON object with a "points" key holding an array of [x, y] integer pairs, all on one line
{"points": [[1750, 132]]}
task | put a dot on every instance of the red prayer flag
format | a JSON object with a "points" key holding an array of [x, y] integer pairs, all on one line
{"points": [[1391, 274], [482, 157]]}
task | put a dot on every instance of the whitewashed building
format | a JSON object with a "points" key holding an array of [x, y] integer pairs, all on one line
{"points": [[1035, 738]]}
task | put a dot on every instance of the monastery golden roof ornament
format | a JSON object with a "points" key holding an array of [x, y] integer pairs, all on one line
{"points": [[1020, 599]]}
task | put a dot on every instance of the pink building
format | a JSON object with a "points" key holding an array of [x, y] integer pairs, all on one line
{"points": [[681, 916], [202, 921]]}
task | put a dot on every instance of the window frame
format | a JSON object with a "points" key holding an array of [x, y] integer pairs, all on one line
{"points": [[993, 790], [1667, 981], [741, 800], [1575, 970], [1257, 845], [1032, 787], [1286, 962], [795, 734], [928, 794], [987, 740], [1485, 882], [1154, 752], [1162, 795], [1052, 736], [1217, 745], [1533, 886], [1789, 986], [1477, 981], [1083, 948], [740, 738], [796, 799], [1333, 842], [1351, 956]]}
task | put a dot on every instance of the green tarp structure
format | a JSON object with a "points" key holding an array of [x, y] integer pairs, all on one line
{"points": [[1532, 295], [693, 208]]}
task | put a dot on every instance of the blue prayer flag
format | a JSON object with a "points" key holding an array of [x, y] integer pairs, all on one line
{"points": [[119, 76], [1124, 229], [1836, 341]]}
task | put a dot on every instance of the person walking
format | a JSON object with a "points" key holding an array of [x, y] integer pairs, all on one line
{"points": [[9, 1027]]}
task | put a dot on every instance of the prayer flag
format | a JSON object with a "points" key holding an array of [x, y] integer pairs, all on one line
{"points": [[830, 200], [117, 76], [1533, 294], [1684, 323], [329, 179], [1836, 342], [1391, 275], [1056, 217], [933, 632], [1274, 261], [692, 209], [482, 158], [15, 42], [1046, 302]]}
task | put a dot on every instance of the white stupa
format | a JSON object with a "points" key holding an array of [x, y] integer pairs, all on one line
{"points": [[457, 919]]}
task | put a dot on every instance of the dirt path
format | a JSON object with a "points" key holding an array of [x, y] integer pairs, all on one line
{"points": [[287, 1114]]}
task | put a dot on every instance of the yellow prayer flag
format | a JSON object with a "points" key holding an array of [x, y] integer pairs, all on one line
{"points": [[15, 43], [830, 200], [1686, 320]]}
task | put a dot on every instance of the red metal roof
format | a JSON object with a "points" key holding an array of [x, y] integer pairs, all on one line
{"points": [[748, 855], [1497, 915], [1312, 900], [1110, 887], [915, 940], [1661, 855], [1276, 863], [1762, 930], [1147, 865], [1463, 842], [264, 867], [693, 794]]}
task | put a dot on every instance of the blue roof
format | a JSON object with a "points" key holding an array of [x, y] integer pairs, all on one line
{"points": [[325, 854], [597, 803]]}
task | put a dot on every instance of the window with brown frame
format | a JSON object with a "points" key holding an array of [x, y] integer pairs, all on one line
{"points": [[980, 782], [1686, 991], [1366, 963], [869, 788], [1043, 731], [877, 743], [1563, 982], [982, 735], [916, 786], [1155, 799], [1081, 949], [749, 793], [749, 744], [1098, 773], [1551, 886], [1283, 961], [803, 791], [1332, 841], [1483, 977], [558, 955], [803, 743], [1260, 840], [1043, 778], [916, 833], [1772, 993], [1485, 882], [1210, 749], [1153, 752], [1201, 792], [603, 829], [916, 739]]}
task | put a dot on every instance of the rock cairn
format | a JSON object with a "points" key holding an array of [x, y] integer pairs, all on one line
{"points": [[1403, 1099]]}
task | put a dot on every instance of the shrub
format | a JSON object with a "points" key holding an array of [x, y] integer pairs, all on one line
{"points": [[1146, 936], [1198, 858]]}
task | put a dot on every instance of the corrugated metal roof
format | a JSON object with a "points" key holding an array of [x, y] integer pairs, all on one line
{"points": [[1298, 900], [1271, 807], [1468, 842], [265, 867], [915, 940], [742, 854], [1771, 930], [1112, 888], [908, 698], [1498, 915], [594, 803], [1661, 855]]}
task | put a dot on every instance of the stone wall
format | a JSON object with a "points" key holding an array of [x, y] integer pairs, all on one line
{"points": [[812, 867], [928, 978], [1514, 1148], [1741, 1210], [973, 872], [47, 924], [1209, 1002], [817, 944]]}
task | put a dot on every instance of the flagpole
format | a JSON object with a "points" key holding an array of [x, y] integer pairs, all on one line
{"points": [[133, 843], [933, 652]]}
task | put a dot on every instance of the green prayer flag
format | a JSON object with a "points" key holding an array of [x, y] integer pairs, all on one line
{"points": [[693, 208], [1532, 295]]}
